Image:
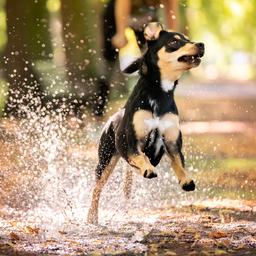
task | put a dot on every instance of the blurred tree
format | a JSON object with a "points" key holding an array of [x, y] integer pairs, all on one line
{"points": [[3, 36], [28, 40], [81, 38], [232, 22], [183, 21], [228, 27]]}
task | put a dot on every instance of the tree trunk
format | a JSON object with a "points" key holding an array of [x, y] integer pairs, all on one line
{"points": [[80, 21], [25, 85]]}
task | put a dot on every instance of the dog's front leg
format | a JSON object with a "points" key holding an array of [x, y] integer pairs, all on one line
{"points": [[138, 159], [173, 145], [177, 164]]}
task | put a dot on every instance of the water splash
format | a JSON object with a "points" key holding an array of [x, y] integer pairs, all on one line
{"points": [[55, 165], [48, 179]]}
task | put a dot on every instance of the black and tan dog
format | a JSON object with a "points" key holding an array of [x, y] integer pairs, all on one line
{"points": [[148, 126]]}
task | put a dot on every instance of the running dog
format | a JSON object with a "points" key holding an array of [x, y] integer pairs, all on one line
{"points": [[148, 125]]}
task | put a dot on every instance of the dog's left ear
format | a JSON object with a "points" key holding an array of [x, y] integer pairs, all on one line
{"points": [[152, 31], [134, 66]]}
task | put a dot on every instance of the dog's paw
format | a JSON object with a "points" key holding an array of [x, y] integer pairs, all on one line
{"points": [[149, 174], [188, 185]]}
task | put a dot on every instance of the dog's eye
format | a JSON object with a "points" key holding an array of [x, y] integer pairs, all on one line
{"points": [[173, 42], [172, 45]]}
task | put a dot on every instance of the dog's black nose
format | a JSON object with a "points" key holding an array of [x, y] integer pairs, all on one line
{"points": [[200, 47]]}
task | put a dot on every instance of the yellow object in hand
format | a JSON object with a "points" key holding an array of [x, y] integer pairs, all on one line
{"points": [[131, 51]]}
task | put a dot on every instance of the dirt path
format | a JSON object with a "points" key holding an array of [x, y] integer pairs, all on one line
{"points": [[217, 90], [187, 230]]}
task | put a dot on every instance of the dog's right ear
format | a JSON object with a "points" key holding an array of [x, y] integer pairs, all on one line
{"points": [[134, 66]]}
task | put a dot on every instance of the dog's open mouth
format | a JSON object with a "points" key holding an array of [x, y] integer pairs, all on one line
{"points": [[190, 59]]}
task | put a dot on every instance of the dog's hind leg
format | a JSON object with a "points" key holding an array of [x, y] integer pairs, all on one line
{"points": [[100, 182], [108, 158], [128, 184]]}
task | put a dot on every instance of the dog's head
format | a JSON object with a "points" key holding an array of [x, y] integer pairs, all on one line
{"points": [[168, 52]]}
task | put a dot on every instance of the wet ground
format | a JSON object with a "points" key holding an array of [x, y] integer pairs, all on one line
{"points": [[186, 230], [46, 178]]}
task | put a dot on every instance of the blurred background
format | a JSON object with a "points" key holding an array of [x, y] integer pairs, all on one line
{"points": [[55, 46]]}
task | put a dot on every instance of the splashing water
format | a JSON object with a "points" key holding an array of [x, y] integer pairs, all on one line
{"points": [[48, 183], [55, 169]]}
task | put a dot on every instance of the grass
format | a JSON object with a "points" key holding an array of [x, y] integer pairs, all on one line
{"points": [[240, 146], [242, 164], [224, 163]]}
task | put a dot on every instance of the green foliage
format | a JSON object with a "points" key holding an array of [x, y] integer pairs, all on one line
{"points": [[3, 37], [232, 22], [227, 26]]}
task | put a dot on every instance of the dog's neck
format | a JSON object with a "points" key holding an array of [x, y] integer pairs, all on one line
{"points": [[165, 85], [168, 85], [153, 76]]}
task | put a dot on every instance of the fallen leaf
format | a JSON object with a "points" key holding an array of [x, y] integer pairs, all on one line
{"points": [[50, 241], [223, 242], [72, 242], [190, 230], [170, 253], [30, 230], [193, 253], [197, 236], [241, 246], [14, 236], [167, 233], [6, 246], [13, 223], [218, 234], [206, 242], [205, 253], [62, 232], [220, 252], [206, 219], [154, 248]]}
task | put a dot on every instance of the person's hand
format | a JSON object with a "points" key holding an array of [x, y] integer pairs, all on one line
{"points": [[119, 40]]}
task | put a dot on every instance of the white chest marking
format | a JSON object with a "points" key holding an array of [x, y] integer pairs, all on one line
{"points": [[157, 123], [167, 85]]}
